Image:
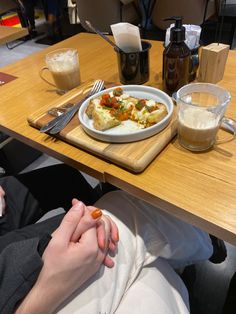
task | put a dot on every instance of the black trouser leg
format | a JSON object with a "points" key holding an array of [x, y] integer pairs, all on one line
{"points": [[53, 187], [35, 230], [21, 207], [57, 185], [29, 12]]}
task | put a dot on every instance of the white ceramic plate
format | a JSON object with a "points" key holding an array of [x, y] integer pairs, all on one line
{"points": [[128, 130]]}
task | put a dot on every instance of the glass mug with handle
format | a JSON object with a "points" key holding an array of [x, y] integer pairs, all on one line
{"points": [[63, 65], [201, 108]]}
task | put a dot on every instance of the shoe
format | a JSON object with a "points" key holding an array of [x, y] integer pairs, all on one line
{"points": [[219, 250], [33, 33]]}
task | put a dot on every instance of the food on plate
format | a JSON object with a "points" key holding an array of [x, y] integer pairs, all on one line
{"points": [[111, 109]]}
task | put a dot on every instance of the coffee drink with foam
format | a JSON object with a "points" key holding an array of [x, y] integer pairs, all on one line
{"points": [[201, 108], [197, 128], [64, 67]]}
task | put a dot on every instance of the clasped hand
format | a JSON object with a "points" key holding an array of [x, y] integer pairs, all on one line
{"points": [[75, 253]]}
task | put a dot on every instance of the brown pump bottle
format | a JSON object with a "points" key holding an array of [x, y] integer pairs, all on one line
{"points": [[176, 59]]}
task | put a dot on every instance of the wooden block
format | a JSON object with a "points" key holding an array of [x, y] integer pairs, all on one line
{"points": [[212, 63]]}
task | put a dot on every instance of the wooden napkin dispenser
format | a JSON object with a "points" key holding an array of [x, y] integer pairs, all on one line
{"points": [[212, 63]]}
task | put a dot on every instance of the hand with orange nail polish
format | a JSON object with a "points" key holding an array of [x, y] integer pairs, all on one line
{"points": [[72, 257]]}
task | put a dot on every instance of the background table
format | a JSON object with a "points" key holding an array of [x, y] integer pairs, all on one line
{"points": [[8, 34]]}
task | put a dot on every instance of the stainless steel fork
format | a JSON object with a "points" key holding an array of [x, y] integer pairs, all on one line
{"points": [[59, 123]]}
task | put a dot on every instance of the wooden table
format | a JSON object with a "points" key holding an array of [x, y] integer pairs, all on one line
{"points": [[8, 33], [199, 188]]}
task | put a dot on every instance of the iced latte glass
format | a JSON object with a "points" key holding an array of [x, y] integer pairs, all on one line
{"points": [[64, 67], [201, 109]]}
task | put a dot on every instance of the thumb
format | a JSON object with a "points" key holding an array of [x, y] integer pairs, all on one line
{"points": [[74, 201], [70, 222]]}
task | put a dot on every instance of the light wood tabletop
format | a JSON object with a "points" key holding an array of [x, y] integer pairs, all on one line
{"points": [[199, 188]]}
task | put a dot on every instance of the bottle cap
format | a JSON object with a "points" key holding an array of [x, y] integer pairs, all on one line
{"points": [[177, 33]]}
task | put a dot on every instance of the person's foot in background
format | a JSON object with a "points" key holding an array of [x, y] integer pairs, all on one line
{"points": [[32, 32]]}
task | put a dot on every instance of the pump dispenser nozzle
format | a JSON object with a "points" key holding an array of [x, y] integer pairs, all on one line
{"points": [[177, 33], [176, 58]]}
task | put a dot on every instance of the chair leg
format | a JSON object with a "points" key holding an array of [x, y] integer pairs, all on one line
{"points": [[18, 43], [219, 250]]}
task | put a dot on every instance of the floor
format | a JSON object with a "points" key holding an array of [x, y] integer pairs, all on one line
{"points": [[208, 284], [209, 288]]}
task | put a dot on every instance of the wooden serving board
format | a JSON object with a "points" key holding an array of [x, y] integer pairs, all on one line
{"points": [[134, 156]]}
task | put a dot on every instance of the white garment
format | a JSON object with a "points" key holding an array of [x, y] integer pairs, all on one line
{"points": [[72, 11], [142, 280]]}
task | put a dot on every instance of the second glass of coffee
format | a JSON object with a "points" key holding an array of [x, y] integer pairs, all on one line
{"points": [[201, 109]]}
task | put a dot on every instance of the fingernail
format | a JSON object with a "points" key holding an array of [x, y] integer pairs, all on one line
{"points": [[96, 213], [103, 244], [78, 206], [117, 237]]}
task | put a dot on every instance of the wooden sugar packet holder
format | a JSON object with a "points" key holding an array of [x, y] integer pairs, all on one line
{"points": [[135, 156], [212, 62]]}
